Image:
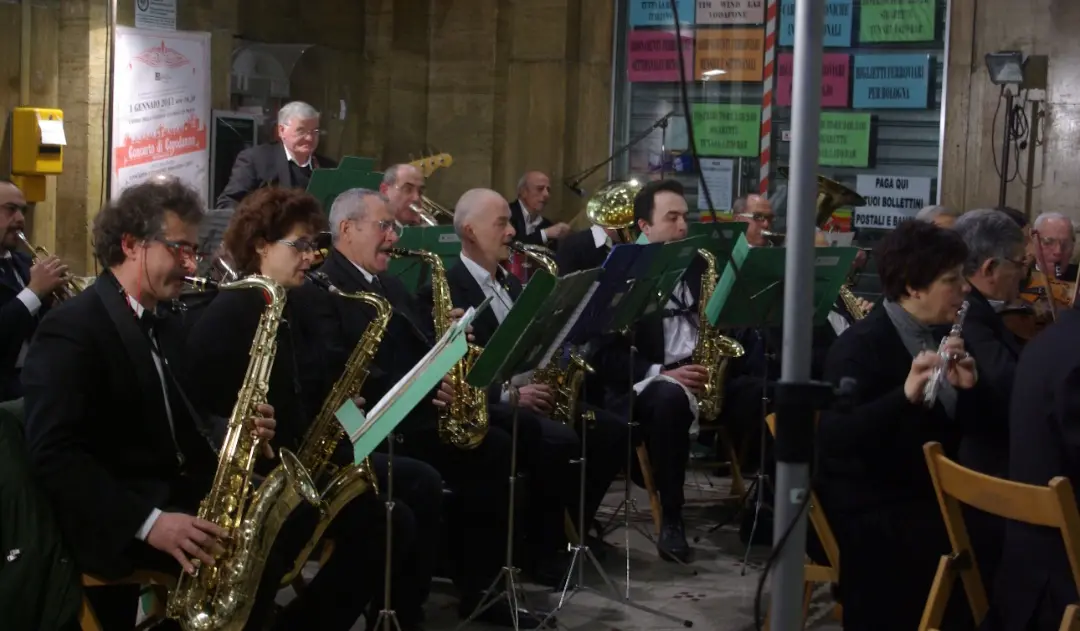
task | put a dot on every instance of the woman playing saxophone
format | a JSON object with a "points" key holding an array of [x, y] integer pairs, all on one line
{"points": [[272, 234]]}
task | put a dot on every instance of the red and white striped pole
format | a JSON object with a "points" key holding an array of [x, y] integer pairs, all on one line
{"points": [[768, 84]]}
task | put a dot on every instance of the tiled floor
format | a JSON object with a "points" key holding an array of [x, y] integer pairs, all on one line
{"points": [[713, 592]]}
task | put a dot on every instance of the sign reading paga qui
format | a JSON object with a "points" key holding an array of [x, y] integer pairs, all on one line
{"points": [[890, 199]]}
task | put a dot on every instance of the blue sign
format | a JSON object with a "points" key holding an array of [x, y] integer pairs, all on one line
{"points": [[896, 82], [658, 12], [838, 19]]}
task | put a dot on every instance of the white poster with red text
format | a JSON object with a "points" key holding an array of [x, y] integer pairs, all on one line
{"points": [[161, 108]]}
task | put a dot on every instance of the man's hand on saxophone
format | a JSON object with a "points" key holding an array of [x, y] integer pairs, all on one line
{"points": [[455, 315], [46, 276], [265, 425], [692, 376], [444, 395], [188, 539], [537, 397]]}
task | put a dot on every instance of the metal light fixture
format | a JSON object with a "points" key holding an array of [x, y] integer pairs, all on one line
{"points": [[1005, 67]]}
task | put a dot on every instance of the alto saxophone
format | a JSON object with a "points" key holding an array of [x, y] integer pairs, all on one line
{"points": [[565, 384], [851, 303], [220, 597], [324, 434], [73, 285], [463, 423], [713, 350]]}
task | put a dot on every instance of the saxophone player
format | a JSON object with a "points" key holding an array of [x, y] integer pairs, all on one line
{"points": [[25, 289], [111, 439], [272, 233], [665, 406], [482, 221], [364, 232]]}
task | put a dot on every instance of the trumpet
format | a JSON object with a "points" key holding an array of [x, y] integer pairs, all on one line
{"points": [[937, 376], [429, 211], [73, 285]]}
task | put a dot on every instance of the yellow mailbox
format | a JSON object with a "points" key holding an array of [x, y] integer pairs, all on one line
{"points": [[37, 148]]}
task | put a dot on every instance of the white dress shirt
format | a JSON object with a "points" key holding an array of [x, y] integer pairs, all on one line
{"points": [[500, 305], [600, 237], [680, 336], [532, 222], [29, 299], [291, 158], [144, 531], [368, 276]]}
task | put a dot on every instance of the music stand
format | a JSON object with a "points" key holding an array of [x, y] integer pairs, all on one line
{"points": [[751, 296], [519, 345], [441, 240]]}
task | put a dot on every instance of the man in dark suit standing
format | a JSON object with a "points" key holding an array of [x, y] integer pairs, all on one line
{"points": [[364, 231], [533, 192], [111, 439], [24, 290], [288, 163]]}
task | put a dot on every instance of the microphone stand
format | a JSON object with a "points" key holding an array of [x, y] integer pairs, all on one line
{"points": [[573, 182]]}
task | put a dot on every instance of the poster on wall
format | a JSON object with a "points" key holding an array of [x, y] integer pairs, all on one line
{"points": [[652, 56], [659, 13], [732, 54], [892, 82], [890, 199], [838, 19], [730, 12], [834, 79], [161, 108], [719, 175], [897, 21]]}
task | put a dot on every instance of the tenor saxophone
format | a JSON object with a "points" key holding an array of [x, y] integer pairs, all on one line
{"points": [[220, 597], [565, 383], [713, 351], [464, 422], [322, 437]]}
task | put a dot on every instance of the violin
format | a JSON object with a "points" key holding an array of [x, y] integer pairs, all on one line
{"points": [[1041, 297]]}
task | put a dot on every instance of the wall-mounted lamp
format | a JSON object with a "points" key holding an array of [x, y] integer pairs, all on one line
{"points": [[1005, 67]]}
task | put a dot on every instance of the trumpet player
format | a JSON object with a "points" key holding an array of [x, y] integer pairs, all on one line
{"points": [[757, 212], [872, 480], [112, 444], [546, 447], [25, 290], [403, 186]]}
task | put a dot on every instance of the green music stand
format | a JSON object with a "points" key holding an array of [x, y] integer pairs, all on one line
{"points": [[652, 289], [720, 236], [327, 184], [357, 163], [441, 240]]}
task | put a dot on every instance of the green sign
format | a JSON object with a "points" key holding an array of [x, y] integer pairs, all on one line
{"points": [[845, 140], [897, 21], [727, 131]]}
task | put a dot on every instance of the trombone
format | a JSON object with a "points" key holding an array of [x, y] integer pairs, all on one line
{"points": [[429, 211]]}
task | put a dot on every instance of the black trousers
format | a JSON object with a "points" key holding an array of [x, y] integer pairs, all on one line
{"points": [[546, 449], [418, 488], [478, 478], [662, 413], [336, 597]]}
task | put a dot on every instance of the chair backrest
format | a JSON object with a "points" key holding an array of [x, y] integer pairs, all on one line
{"points": [[817, 515], [1053, 506]]}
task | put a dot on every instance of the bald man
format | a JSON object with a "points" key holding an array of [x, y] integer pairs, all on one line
{"points": [[758, 214], [533, 192], [403, 185], [1057, 240]]}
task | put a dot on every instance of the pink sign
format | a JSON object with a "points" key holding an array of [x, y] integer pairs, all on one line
{"points": [[835, 80], [653, 57]]}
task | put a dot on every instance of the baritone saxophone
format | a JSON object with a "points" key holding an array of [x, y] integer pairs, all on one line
{"points": [[341, 485], [220, 597], [464, 422]]}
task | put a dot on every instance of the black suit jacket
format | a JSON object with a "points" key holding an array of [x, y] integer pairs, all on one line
{"points": [[517, 219], [579, 252], [1044, 442], [996, 349], [16, 327], [871, 457], [97, 429], [409, 336]]}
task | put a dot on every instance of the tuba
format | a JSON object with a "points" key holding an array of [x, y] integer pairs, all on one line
{"points": [[325, 432], [220, 597], [612, 206], [713, 350], [73, 285], [831, 195], [464, 422], [565, 384]]}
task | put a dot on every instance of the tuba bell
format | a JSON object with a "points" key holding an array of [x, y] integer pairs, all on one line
{"points": [[612, 206], [831, 196]]}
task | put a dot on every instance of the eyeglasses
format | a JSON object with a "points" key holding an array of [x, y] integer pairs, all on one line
{"points": [[302, 245], [12, 207], [181, 248], [1049, 242]]}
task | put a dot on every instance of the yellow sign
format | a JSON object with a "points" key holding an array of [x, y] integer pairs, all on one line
{"points": [[734, 54]]}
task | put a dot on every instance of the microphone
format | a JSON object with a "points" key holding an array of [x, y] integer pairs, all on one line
{"points": [[573, 186]]}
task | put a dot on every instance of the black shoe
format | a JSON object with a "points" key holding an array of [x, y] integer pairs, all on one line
{"points": [[500, 614], [672, 545]]}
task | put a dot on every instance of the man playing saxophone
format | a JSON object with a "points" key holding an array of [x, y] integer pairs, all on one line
{"points": [[365, 232], [482, 221], [272, 234], [112, 441], [25, 289]]}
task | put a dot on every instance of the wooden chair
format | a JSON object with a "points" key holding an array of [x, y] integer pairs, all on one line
{"points": [[1053, 506], [158, 584], [813, 573]]}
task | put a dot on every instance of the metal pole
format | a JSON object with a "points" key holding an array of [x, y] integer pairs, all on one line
{"points": [[793, 460], [1006, 147]]}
